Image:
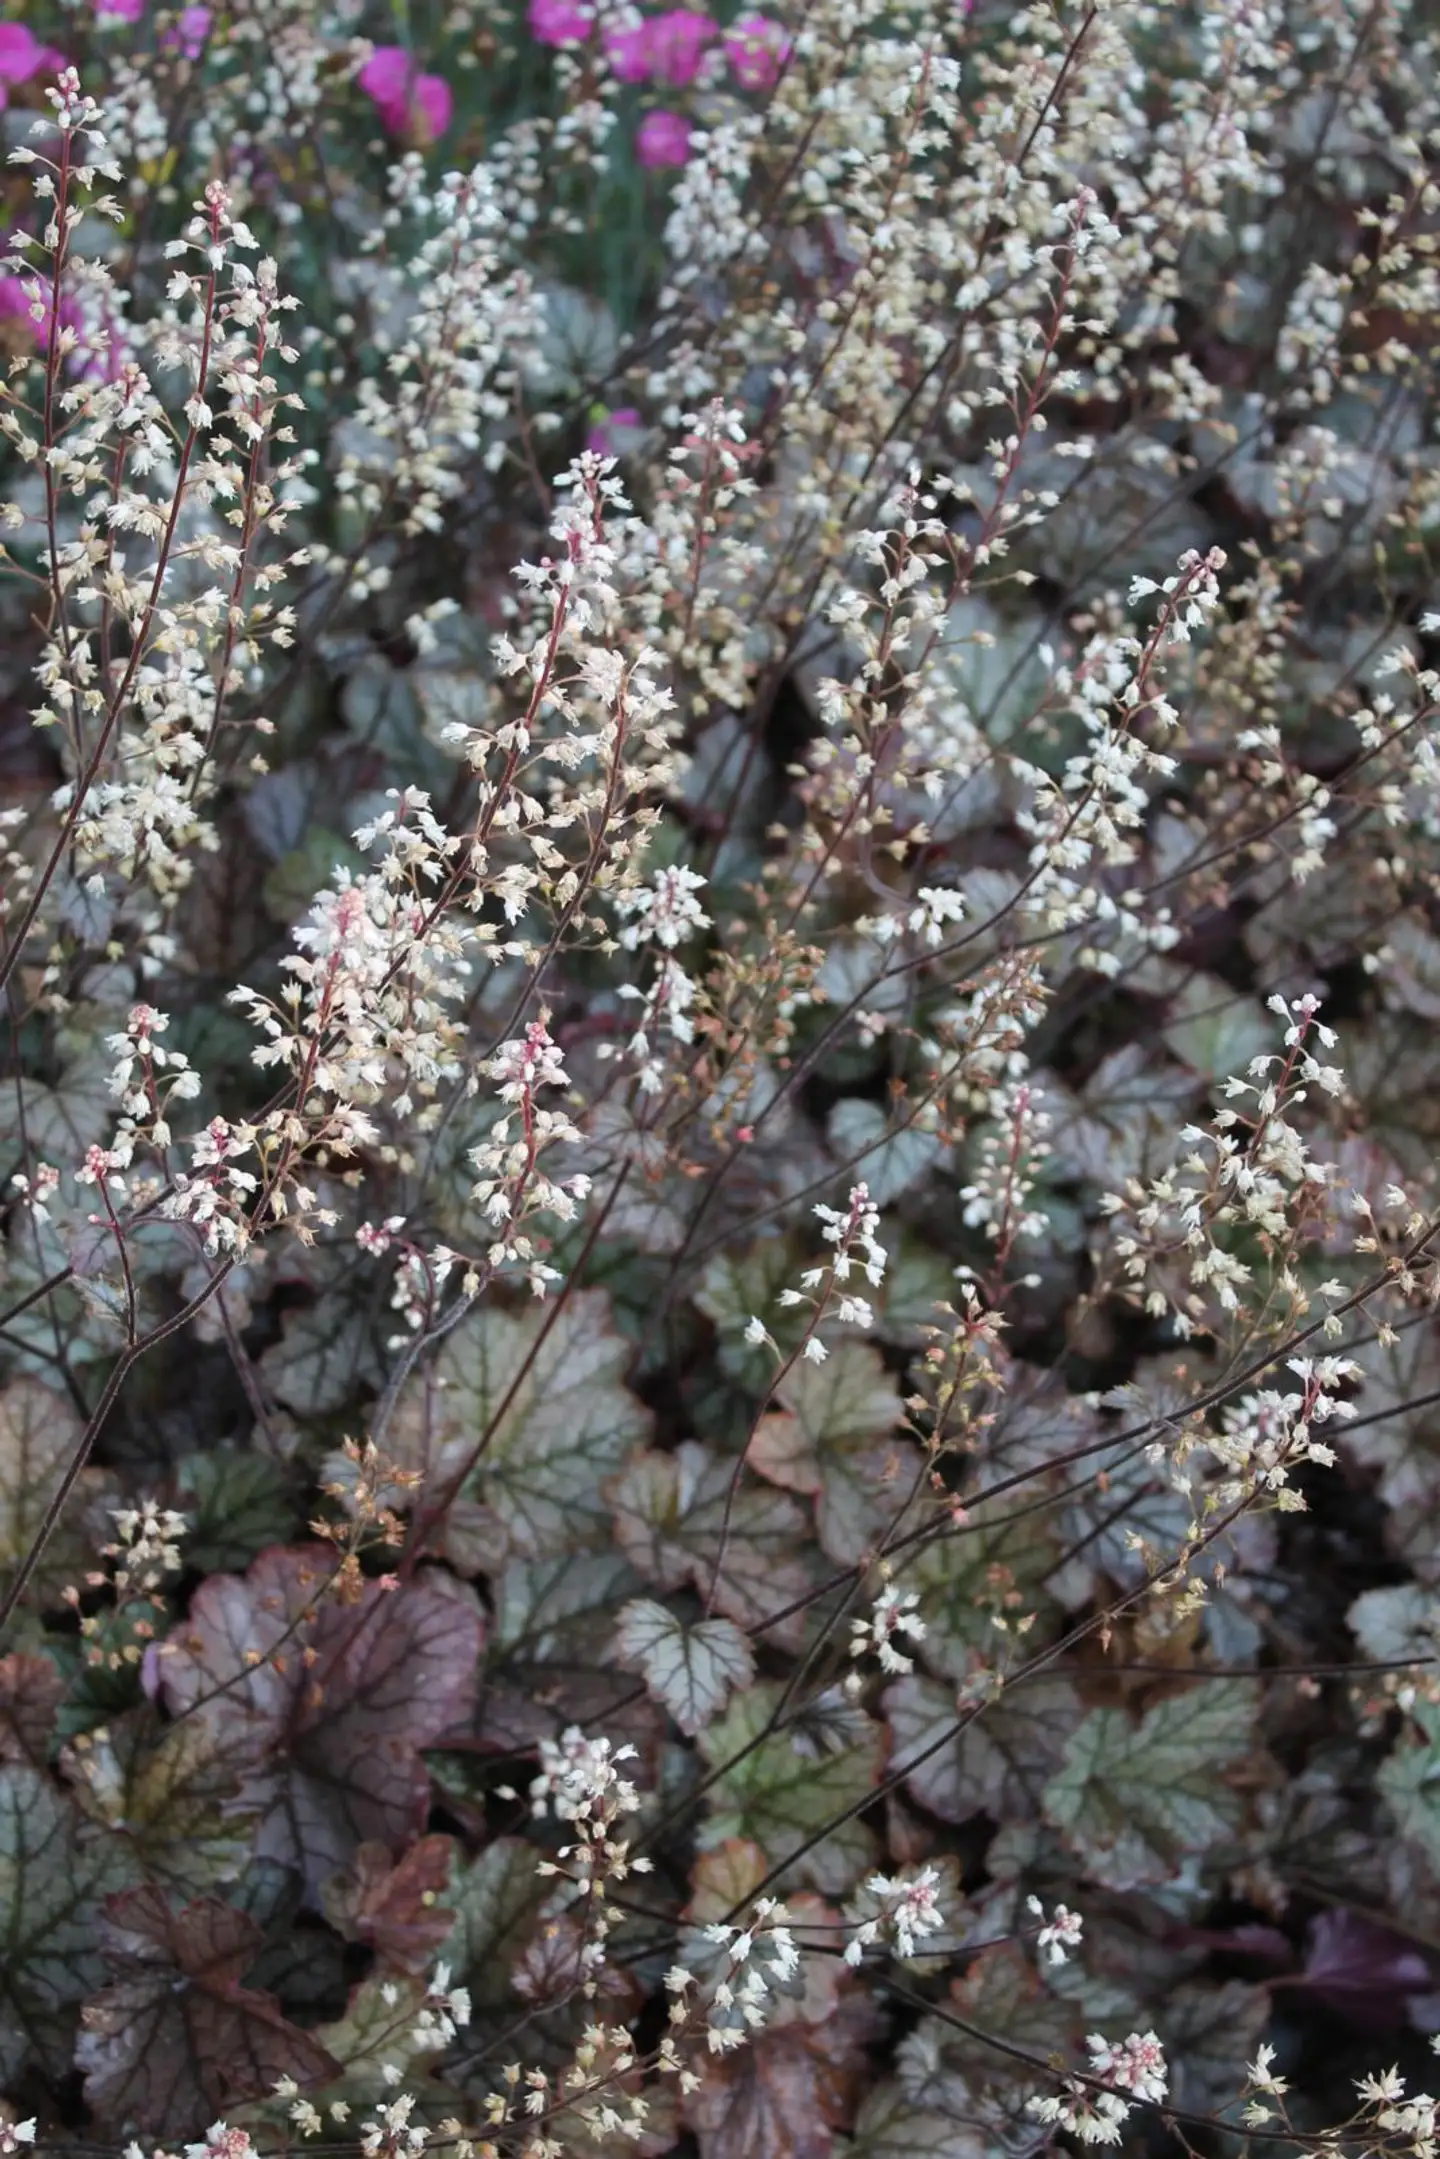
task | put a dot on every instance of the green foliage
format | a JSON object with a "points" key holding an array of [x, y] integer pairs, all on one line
{"points": [[784, 1789], [693, 1669], [1135, 1799], [719, 1389], [54, 1878]]}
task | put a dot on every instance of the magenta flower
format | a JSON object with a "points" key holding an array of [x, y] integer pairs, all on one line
{"points": [[15, 301], [21, 56], [757, 49], [386, 78], [88, 362], [560, 22], [119, 10], [601, 438], [667, 49], [408, 104], [662, 138], [677, 45], [191, 32], [434, 102], [628, 52]]}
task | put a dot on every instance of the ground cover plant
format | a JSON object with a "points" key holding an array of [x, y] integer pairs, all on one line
{"points": [[720, 916]]}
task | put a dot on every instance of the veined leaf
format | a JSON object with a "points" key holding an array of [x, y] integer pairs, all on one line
{"points": [[176, 2038], [172, 1793], [995, 1762], [31, 1691], [832, 1434], [495, 1902], [891, 2126], [323, 1357], [1409, 1778], [1136, 1799], [394, 1904], [325, 1705], [237, 1504], [52, 1878], [691, 1669], [40, 1433], [517, 1426], [788, 2089], [671, 1523], [737, 1285], [548, 1609], [888, 1153], [782, 1797]]}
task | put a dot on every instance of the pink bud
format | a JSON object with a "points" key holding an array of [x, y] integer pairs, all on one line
{"points": [[385, 76], [434, 102]]}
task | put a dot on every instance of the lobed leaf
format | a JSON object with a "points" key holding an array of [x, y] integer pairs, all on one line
{"points": [[325, 1705], [176, 2038], [1136, 1799], [53, 1876], [691, 1669]]}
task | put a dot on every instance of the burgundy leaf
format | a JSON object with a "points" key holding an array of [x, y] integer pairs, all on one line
{"points": [[1360, 1968], [1250, 1939], [786, 2093], [326, 1703], [394, 1905], [208, 1941], [176, 2039], [553, 1967], [31, 1690]]}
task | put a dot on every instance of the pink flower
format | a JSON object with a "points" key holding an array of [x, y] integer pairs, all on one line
{"points": [[191, 32], [408, 104], [89, 362], [560, 22], [757, 49], [121, 10], [668, 48], [677, 45], [662, 138], [434, 102], [628, 52], [20, 52], [21, 56], [385, 77], [601, 440]]}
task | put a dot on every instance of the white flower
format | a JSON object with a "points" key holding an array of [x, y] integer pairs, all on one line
{"points": [[1136, 2065], [891, 1615], [1058, 1935]]}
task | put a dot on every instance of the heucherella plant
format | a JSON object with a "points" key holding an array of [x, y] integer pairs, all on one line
{"points": [[720, 919]]}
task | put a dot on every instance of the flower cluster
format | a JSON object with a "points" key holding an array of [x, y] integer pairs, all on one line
{"points": [[649, 627], [1095, 2109], [903, 1909], [852, 1232], [893, 1618]]}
